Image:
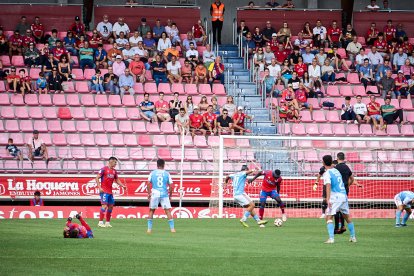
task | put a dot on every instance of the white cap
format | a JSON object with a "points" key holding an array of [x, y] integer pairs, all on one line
{"points": [[118, 56], [195, 107], [240, 108], [274, 34]]}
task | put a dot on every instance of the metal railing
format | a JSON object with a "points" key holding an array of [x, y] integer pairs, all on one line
{"points": [[152, 3]]}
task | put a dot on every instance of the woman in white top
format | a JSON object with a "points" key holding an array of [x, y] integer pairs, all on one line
{"points": [[328, 74], [258, 60], [163, 43], [189, 105], [230, 106]]}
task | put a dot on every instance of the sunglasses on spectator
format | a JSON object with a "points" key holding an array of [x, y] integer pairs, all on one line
{"points": [[13, 70], [225, 113]]}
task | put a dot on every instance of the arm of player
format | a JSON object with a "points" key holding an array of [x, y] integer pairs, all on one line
{"points": [[149, 189], [120, 184], [98, 182], [327, 183], [315, 185], [254, 178], [353, 181]]}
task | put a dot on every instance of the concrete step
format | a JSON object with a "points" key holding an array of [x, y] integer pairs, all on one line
{"points": [[228, 54], [239, 78], [263, 130], [234, 65], [233, 60]]}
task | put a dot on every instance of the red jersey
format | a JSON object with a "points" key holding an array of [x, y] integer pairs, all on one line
{"points": [[197, 31], [373, 105], [38, 30], [162, 104], [381, 45], [12, 77], [239, 118], [408, 48], [281, 55], [83, 232], [300, 95], [334, 33], [270, 183], [283, 110], [274, 45], [107, 179], [389, 32], [25, 79], [80, 44], [210, 117], [392, 49], [196, 120], [94, 41], [373, 32], [401, 80], [77, 28], [34, 202], [26, 40], [301, 69], [58, 52], [16, 40]]}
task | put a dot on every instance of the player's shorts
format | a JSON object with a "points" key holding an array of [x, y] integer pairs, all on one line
{"points": [[398, 201], [339, 204], [242, 199], [164, 201], [89, 234], [264, 195], [107, 199]]}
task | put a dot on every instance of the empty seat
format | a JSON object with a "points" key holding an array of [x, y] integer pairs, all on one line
{"points": [[41, 126], [101, 100], [125, 127], [167, 128], [101, 140], [12, 126], [326, 129], [177, 87], [130, 140], [204, 89], [359, 90], [59, 139], [106, 113], [218, 89], [206, 154], [8, 113], [298, 129], [93, 153], [333, 116], [128, 100], [17, 99], [319, 116], [88, 139], [213, 141], [406, 104], [92, 113], [114, 100], [346, 91], [151, 88], [353, 130], [117, 140], [173, 140], [49, 112], [120, 114], [73, 100], [407, 130], [78, 74], [4, 99], [82, 87], [200, 141], [87, 100], [145, 141], [164, 153], [78, 152], [365, 130], [54, 126], [68, 126], [59, 100], [164, 87], [139, 127], [83, 126], [159, 141], [133, 114], [191, 154], [191, 89], [306, 116], [353, 78], [31, 99], [88, 73], [74, 139], [153, 128], [312, 129], [352, 157], [332, 91], [45, 100], [110, 126], [149, 153], [96, 126]]}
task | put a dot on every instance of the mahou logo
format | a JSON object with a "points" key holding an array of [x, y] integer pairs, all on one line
{"points": [[92, 189]]}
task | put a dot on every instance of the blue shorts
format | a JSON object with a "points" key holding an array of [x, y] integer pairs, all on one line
{"points": [[89, 234], [263, 195], [107, 199], [149, 114], [376, 117]]}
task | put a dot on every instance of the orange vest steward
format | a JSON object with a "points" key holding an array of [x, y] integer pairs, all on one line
{"points": [[217, 12]]}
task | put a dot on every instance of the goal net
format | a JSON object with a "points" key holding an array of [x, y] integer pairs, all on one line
{"points": [[383, 166]]}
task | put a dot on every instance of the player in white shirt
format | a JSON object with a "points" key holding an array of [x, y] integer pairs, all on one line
{"points": [[361, 111], [337, 199], [105, 28], [403, 201]]}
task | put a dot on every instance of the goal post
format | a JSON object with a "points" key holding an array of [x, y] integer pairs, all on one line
{"points": [[382, 165]]}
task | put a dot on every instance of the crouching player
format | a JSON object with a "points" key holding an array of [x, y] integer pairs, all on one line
{"points": [[240, 197], [270, 187], [76, 231], [337, 199], [403, 200]]}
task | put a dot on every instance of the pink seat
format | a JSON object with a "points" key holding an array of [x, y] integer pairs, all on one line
{"points": [[78, 74], [125, 127], [18, 61], [204, 89], [77, 153], [233, 154], [120, 114], [106, 113], [54, 126], [17, 139], [96, 126], [407, 130], [49, 112], [31, 99], [298, 129], [68, 126], [213, 141], [164, 87], [159, 141], [353, 130], [110, 126], [191, 154], [88, 73], [5, 60], [45, 100], [59, 100], [139, 88], [128, 100], [8, 113], [101, 100], [314, 102], [87, 100], [93, 153], [372, 88], [17, 99], [145, 141], [206, 154], [41, 126], [77, 113], [243, 143], [319, 116], [188, 141], [177, 87], [312, 129], [88, 140], [68, 86], [164, 153], [72, 100], [167, 128], [59, 139], [117, 140], [82, 87], [191, 89], [359, 90], [12, 126], [200, 142], [115, 100], [149, 153], [92, 113], [365, 130], [346, 91], [353, 157], [173, 140], [153, 128], [101, 140], [326, 129], [409, 117], [84, 166], [406, 104], [34, 73], [4, 99], [150, 88], [139, 127], [392, 130], [407, 156], [394, 156], [2, 87], [365, 156], [133, 114], [353, 78], [83, 126], [130, 140], [306, 116], [35, 113], [218, 89]]}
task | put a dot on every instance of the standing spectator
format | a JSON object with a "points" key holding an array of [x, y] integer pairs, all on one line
{"points": [[119, 66], [55, 81], [196, 122], [22, 26], [64, 68], [187, 72], [137, 68], [390, 113], [238, 121], [373, 6], [147, 109], [32, 56], [86, 57], [386, 85], [14, 151], [69, 42], [361, 111], [37, 148], [126, 83], [347, 111], [328, 74], [97, 82], [120, 26], [199, 32], [157, 30], [217, 17], [200, 73], [365, 74], [36, 200], [143, 29], [15, 45], [210, 120], [374, 111], [111, 82], [175, 105], [77, 28], [174, 70], [101, 57], [335, 35], [230, 106], [353, 49], [401, 86], [182, 122], [105, 29], [216, 71], [225, 123], [41, 83], [159, 70], [38, 30], [208, 56], [372, 34], [162, 108], [348, 35]]}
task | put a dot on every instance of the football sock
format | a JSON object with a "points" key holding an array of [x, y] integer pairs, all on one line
{"points": [[171, 223], [336, 217], [84, 224], [261, 213], [149, 222], [256, 218], [102, 214], [397, 216], [282, 207], [108, 215], [246, 215], [330, 227], [405, 218], [351, 229]]}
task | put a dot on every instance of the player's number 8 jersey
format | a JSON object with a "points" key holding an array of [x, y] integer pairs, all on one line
{"points": [[160, 179]]}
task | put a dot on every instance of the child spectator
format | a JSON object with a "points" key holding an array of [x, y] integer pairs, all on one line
{"points": [[200, 73], [25, 82], [97, 82], [41, 83], [36, 200], [13, 150], [347, 112], [215, 105]]}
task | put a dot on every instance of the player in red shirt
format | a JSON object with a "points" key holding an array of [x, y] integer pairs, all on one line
{"points": [[38, 30], [238, 121], [105, 178], [334, 35], [389, 31], [76, 231], [381, 44], [270, 187], [210, 120], [196, 122], [374, 111]]}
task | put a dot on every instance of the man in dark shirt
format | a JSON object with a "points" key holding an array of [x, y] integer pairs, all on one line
{"points": [[268, 31], [147, 109], [111, 82], [159, 71], [225, 123]]}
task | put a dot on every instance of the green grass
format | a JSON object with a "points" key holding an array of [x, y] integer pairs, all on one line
{"points": [[205, 247]]}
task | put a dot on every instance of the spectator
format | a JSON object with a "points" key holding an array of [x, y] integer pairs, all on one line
{"points": [[337, 60], [230, 106], [80, 43], [361, 111], [69, 43], [360, 58], [381, 45], [199, 32], [158, 30], [319, 32], [95, 40], [32, 56], [328, 74], [401, 86], [272, 4], [210, 120], [225, 123], [217, 10], [294, 81], [335, 36], [286, 72], [44, 54], [15, 44], [200, 73], [14, 151], [119, 66], [284, 111], [147, 109], [53, 38], [159, 70], [353, 49], [174, 70], [170, 53], [243, 29], [407, 69], [308, 56], [216, 71], [307, 31], [175, 105], [288, 5], [386, 85], [38, 30], [13, 80], [385, 6], [182, 122], [140, 50], [64, 68], [274, 43], [25, 82], [59, 50], [121, 41], [119, 27], [126, 83], [314, 85], [101, 57], [373, 6], [97, 82], [249, 43], [137, 68], [392, 49], [301, 96], [162, 108], [27, 39], [215, 105], [164, 43], [347, 111], [208, 56], [22, 26], [269, 83], [301, 42], [407, 46], [411, 85], [203, 104], [314, 71], [390, 113], [149, 44], [4, 44], [348, 35], [86, 57], [268, 31], [374, 111], [400, 34], [104, 29], [55, 81], [37, 148], [174, 34], [281, 54], [321, 56], [189, 105], [372, 34], [188, 40], [192, 54], [238, 121], [41, 83], [294, 57], [168, 26], [36, 200], [284, 33], [77, 28], [274, 70], [187, 71], [196, 122], [300, 68], [111, 82], [365, 74], [144, 28]]}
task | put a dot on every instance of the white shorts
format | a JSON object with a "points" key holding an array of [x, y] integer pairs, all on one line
{"points": [[242, 199], [339, 203], [156, 200], [397, 200]]}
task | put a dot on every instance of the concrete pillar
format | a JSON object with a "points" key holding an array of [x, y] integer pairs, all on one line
{"points": [[312, 4]]}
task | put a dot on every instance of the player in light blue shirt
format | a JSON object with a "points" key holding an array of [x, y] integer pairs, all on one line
{"points": [[240, 197], [337, 199], [159, 191], [403, 200]]}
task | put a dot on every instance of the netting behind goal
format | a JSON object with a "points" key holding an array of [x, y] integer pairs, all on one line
{"points": [[383, 166]]}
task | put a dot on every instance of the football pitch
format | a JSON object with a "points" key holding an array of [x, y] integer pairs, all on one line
{"points": [[205, 247]]}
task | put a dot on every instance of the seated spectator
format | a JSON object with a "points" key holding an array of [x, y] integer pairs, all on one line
{"points": [[337, 60], [242, 29], [328, 74], [163, 43], [269, 84], [301, 42], [314, 71], [268, 55], [307, 56], [69, 43], [225, 123], [200, 73], [97, 82], [149, 44], [348, 36], [189, 105], [307, 31], [372, 34], [210, 120], [187, 42], [374, 111], [187, 72], [174, 70], [44, 54], [105, 29], [37, 148], [14, 151], [249, 43], [55, 81], [347, 111], [411, 86], [401, 86], [275, 70], [382, 70], [15, 44], [375, 58], [170, 53], [313, 85], [25, 82], [272, 4], [59, 50], [77, 27], [288, 5], [361, 111], [121, 41], [360, 58], [133, 40], [95, 40], [86, 57], [162, 108], [319, 34], [286, 72], [399, 59], [334, 35], [294, 57], [281, 55], [353, 49], [118, 66], [126, 82], [27, 39], [199, 32], [381, 45], [128, 54], [300, 68], [4, 44], [393, 48], [80, 43], [386, 85], [158, 30], [203, 104], [101, 57], [120, 26], [41, 84], [137, 68], [365, 74], [301, 96], [407, 69], [113, 53], [182, 122], [390, 113], [216, 71], [373, 6], [274, 44], [32, 56], [174, 34], [215, 105], [321, 56], [196, 122], [400, 34], [208, 56], [147, 109], [13, 80], [175, 105], [294, 81], [407, 46], [64, 68], [285, 113], [159, 70], [38, 30], [238, 121], [53, 38], [192, 54], [111, 82], [230, 106], [36, 200], [257, 37]]}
